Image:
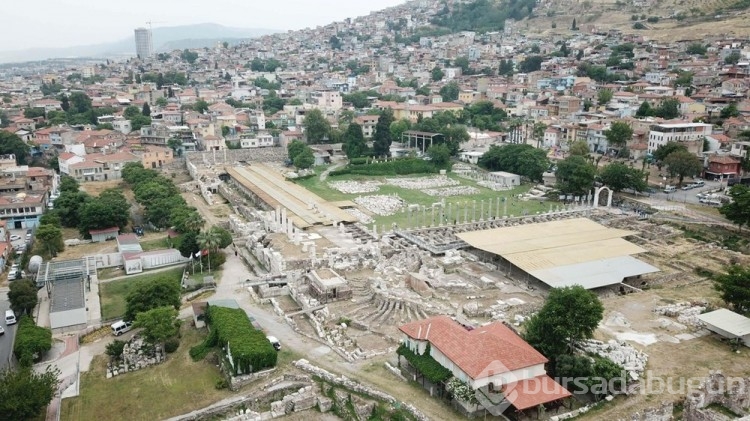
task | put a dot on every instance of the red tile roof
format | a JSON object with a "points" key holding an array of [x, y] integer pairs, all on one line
{"points": [[534, 391], [492, 347]]}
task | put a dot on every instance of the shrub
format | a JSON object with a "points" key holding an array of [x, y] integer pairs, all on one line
{"points": [[425, 364], [115, 348], [171, 345], [639, 25], [395, 167], [251, 351], [32, 341]]}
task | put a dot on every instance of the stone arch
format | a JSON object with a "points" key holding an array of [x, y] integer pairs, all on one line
{"points": [[597, 191]]}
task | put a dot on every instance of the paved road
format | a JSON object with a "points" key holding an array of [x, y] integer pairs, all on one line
{"points": [[687, 196], [6, 341]]}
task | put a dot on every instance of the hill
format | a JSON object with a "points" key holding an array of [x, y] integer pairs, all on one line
{"points": [[164, 38], [662, 20]]}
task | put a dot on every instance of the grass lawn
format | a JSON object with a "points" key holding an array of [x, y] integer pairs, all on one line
{"points": [[516, 208], [112, 294], [178, 386]]}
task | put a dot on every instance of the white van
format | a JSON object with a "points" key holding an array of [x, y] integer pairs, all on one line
{"points": [[669, 189], [275, 342], [10, 317], [118, 328]]}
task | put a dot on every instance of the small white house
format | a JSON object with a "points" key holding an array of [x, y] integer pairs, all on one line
{"points": [[727, 324], [504, 178]]}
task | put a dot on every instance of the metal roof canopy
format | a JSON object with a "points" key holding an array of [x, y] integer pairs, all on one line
{"points": [[727, 320], [563, 253]]}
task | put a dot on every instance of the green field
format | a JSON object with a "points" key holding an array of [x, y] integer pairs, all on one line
{"points": [[514, 207], [112, 294], [174, 387]]}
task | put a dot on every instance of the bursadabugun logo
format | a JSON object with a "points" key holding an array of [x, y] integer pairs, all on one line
{"points": [[499, 390]]}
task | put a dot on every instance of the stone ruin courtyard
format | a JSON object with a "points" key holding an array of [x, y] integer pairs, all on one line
{"points": [[373, 278]]}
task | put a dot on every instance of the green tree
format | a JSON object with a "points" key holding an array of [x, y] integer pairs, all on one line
{"points": [[569, 315], [175, 143], [437, 74], [381, 145], [463, 63], [25, 392], [50, 237], [506, 68], [580, 148], [10, 143], [729, 111], [530, 64], [139, 121], [110, 209], [732, 58], [149, 294], [618, 176], [68, 206], [22, 295], [189, 244], [604, 96], [64, 103], [738, 209], [68, 184], [80, 102], [734, 287], [398, 128], [450, 91], [682, 164], [295, 148], [304, 160], [644, 110], [200, 106], [115, 348], [661, 152], [354, 141], [668, 109], [146, 110], [161, 101], [187, 220], [317, 128], [573, 26], [32, 341], [211, 240], [619, 134], [159, 324], [189, 56], [131, 111], [521, 159], [575, 175], [439, 154], [225, 237]]}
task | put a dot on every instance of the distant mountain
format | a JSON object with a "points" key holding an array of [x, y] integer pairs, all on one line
{"points": [[165, 39]]}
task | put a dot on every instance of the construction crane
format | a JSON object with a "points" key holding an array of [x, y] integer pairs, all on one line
{"points": [[150, 22]]}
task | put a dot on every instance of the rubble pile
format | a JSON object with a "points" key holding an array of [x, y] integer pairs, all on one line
{"points": [[383, 205], [361, 216], [452, 191], [355, 187], [422, 183], [136, 355], [686, 313], [621, 353]]}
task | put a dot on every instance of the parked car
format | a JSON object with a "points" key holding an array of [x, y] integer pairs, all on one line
{"points": [[2, 331], [15, 237]]}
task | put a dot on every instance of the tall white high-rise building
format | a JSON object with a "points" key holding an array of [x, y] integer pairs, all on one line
{"points": [[144, 46]]}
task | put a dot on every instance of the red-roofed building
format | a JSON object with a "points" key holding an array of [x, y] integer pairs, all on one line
{"points": [[492, 358], [723, 166], [95, 167]]}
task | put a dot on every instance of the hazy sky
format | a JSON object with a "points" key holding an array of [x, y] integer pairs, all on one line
{"points": [[65, 23]]}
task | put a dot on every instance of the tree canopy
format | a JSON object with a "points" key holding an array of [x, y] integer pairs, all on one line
{"points": [[382, 137], [619, 134], [146, 295], [25, 392], [317, 128], [569, 315], [618, 176], [524, 160], [10, 143], [738, 209], [682, 164], [354, 141], [22, 295], [575, 175], [734, 287], [661, 152], [159, 324], [110, 209]]}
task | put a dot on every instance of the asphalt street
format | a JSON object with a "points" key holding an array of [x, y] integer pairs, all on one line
{"points": [[687, 196], [6, 340]]}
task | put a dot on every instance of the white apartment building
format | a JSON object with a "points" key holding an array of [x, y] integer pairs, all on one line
{"points": [[328, 100], [689, 133], [144, 46]]}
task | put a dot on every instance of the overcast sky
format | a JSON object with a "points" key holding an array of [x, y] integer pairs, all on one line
{"points": [[65, 23]]}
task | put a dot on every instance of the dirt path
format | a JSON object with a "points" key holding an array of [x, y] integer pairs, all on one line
{"points": [[371, 372], [213, 214], [328, 170]]}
